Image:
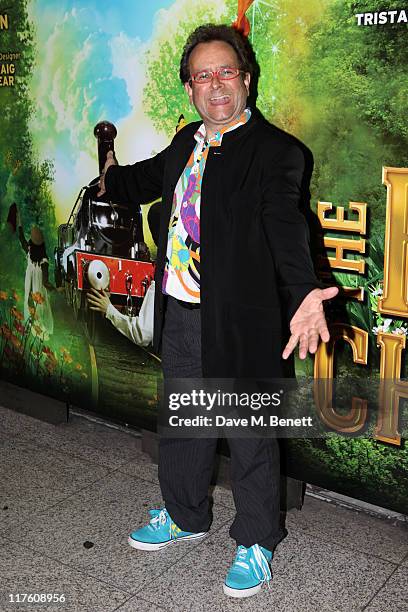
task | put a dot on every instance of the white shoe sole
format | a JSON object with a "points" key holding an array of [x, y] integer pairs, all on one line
{"points": [[239, 593], [148, 546]]}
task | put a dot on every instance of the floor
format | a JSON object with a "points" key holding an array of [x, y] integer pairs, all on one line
{"points": [[69, 494]]}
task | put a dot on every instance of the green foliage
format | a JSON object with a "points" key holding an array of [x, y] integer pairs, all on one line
{"points": [[360, 467], [23, 178], [355, 85], [164, 96], [30, 358]]}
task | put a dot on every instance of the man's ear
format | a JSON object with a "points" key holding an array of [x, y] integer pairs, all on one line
{"points": [[189, 92], [247, 80]]}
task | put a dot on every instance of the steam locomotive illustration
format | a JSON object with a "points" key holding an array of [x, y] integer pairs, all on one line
{"points": [[101, 246]]}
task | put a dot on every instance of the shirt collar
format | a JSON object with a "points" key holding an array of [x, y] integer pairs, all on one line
{"points": [[216, 140]]}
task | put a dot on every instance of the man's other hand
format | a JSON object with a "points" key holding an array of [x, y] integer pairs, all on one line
{"points": [[308, 324], [110, 161]]}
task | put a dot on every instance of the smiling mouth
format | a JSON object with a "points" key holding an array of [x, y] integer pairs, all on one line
{"points": [[219, 100]]}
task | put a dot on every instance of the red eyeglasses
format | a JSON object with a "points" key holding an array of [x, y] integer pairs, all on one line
{"points": [[206, 76]]}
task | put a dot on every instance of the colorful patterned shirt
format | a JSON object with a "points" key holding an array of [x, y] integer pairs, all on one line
{"points": [[182, 270]]}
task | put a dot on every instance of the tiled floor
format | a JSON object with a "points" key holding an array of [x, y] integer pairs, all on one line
{"points": [[63, 486]]}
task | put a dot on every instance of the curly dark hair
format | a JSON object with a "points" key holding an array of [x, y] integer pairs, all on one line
{"points": [[210, 32]]}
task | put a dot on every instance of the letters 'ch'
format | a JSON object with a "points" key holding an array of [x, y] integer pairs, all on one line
{"points": [[394, 302]]}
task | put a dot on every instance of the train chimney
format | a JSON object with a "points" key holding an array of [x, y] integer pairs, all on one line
{"points": [[105, 132]]}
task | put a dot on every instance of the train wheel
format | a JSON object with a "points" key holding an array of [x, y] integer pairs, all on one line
{"points": [[74, 296]]}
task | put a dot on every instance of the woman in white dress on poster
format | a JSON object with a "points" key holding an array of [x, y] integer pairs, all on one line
{"points": [[37, 284]]}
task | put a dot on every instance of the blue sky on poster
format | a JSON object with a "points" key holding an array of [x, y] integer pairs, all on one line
{"points": [[132, 17], [91, 66]]}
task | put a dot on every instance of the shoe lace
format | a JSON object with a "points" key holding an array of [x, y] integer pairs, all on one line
{"points": [[260, 564], [159, 518], [240, 558], [257, 560]]}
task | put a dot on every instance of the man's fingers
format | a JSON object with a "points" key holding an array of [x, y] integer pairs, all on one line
{"points": [[313, 340], [110, 161], [287, 351], [102, 189], [323, 331], [303, 346], [291, 345], [308, 323], [308, 341], [329, 293]]}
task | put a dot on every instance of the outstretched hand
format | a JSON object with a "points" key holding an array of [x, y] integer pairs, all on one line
{"points": [[308, 324]]}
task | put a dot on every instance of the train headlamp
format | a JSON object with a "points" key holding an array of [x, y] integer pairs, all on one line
{"points": [[98, 275]]}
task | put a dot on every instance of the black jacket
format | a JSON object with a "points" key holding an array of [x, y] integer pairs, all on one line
{"points": [[255, 263]]}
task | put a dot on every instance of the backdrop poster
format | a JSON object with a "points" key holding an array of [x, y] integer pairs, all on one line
{"points": [[332, 74]]}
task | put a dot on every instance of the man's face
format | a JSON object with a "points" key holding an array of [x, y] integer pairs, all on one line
{"points": [[217, 102]]}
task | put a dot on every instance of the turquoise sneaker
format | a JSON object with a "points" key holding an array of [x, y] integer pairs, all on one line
{"points": [[160, 532], [248, 572]]}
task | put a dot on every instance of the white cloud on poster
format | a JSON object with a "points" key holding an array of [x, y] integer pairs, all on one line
{"points": [[87, 71], [73, 88], [142, 139], [167, 20]]}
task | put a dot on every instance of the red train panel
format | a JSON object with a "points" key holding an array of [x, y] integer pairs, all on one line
{"points": [[120, 269]]}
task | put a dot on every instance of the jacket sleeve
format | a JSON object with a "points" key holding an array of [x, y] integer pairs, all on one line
{"points": [[141, 182], [286, 228]]}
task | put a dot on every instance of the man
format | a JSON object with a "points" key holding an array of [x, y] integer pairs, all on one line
{"points": [[233, 259]]}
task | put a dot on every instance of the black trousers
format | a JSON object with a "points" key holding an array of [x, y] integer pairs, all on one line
{"points": [[186, 465]]}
